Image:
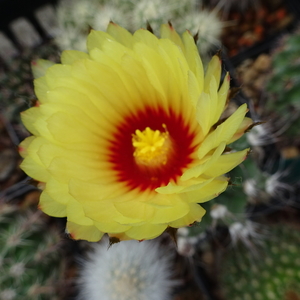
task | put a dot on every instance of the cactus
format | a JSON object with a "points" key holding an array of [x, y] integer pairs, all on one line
{"points": [[283, 89], [276, 142], [184, 15], [272, 82], [31, 267], [126, 271], [271, 273], [228, 5]]}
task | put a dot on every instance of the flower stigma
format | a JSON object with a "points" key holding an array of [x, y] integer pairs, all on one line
{"points": [[151, 147]]}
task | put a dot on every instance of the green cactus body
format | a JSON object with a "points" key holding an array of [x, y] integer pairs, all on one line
{"points": [[272, 271], [29, 255], [283, 86]]}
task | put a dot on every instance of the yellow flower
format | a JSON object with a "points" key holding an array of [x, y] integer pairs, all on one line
{"points": [[127, 138]]}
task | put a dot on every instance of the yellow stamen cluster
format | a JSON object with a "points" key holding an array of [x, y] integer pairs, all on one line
{"points": [[151, 147]]}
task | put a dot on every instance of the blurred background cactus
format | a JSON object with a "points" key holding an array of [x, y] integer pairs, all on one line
{"points": [[16, 80], [283, 87], [238, 238], [30, 255], [268, 269], [76, 18], [127, 271]]}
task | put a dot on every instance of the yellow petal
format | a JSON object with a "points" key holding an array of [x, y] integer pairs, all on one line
{"points": [[155, 68], [79, 232], [203, 113], [199, 169], [196, 212], [96, 39], [226, 163], [41, 88], [111, 227], [58, 191], [170, 188], [146, 37], [55, 73], [178, 73], [63, 170], [167, 31], [206, 107], [224, 132], [116, 51], [48, 151], [40, 66], [145, 232], [214, 69], [76, 214], [68, 57], [34, 169], [195, 89], [214, 99], [98, 201], [59, 125], [196, 186], [175, 210], [222, 95], [208, 192], [120, 34], [241, 130], [29, 117], [24, 146], [33, 161], [84, 191], [193, 58], [52, 208], [135, 210]]}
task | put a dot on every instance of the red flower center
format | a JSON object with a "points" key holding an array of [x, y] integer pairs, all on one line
{"points": [[151, 148]]}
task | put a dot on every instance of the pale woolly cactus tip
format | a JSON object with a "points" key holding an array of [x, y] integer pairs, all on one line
{"points": [[107, 13], [126, 271], [8, 294], [246, 233], [219, 211], [71, 37], [207, 25], [155, 12], [183, 231], [270, 132], [17, 270], [186, 246], [275, 187], [76, 12], [74, 19], [250, 188], [260, 136], [255, 189]]}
